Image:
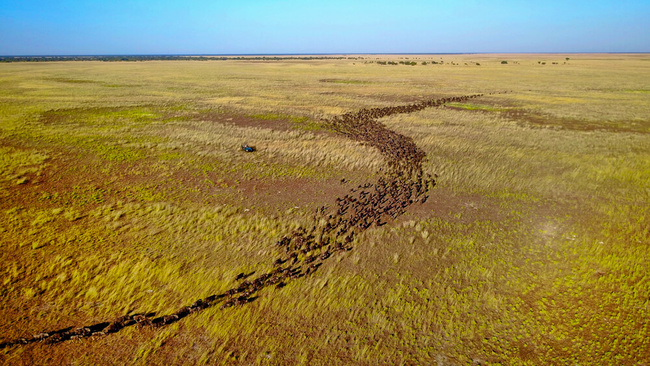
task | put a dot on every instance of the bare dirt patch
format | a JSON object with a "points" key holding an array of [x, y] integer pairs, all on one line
{"points": [[528, 118], [245, 121], [449, 206], [304, 194]]}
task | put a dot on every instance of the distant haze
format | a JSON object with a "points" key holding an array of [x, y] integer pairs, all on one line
{"points": [[75, 27]]}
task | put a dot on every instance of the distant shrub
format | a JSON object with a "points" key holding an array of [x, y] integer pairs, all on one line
{"points": [[504, 62], [424, 63], [477, 64]]}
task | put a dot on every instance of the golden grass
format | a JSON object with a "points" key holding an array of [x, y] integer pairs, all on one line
{"points": [[122, 189]]}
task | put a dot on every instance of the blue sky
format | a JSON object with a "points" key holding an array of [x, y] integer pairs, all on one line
{"points": [[74, 27]]}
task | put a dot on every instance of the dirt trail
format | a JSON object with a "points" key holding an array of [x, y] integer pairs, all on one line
{"points": [[303, 251]]}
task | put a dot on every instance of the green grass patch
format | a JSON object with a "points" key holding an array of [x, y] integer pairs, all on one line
{"points": [[77, 196], [148, 193], [476, 107], [72, 81], [114, 117], [118, 154], [306, 124], [268, 116], [15, 164]]}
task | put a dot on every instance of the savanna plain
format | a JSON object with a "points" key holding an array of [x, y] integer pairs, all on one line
{"points": [[123, 190]]}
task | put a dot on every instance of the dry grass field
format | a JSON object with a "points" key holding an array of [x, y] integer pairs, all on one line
{"points": [[123, 191]]}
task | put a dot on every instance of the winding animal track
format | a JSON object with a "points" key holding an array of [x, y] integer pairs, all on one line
{"points": [[304, 250]]}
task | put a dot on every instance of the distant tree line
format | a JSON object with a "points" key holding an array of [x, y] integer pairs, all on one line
{"points": [[413, 63], [410, 63], [118, 58]]}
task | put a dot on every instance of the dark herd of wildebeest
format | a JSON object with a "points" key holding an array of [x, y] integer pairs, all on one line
{"points": [[303, 251]]}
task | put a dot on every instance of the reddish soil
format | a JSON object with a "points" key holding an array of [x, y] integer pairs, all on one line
{"points": [[287, 193], [249, 122], [528, 118], [454, 207]]}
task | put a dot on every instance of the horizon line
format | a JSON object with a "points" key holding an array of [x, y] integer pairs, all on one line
{"points": [[315, 54]]}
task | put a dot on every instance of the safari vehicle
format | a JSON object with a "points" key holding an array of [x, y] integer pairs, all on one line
{"points": [[247, 148]]}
